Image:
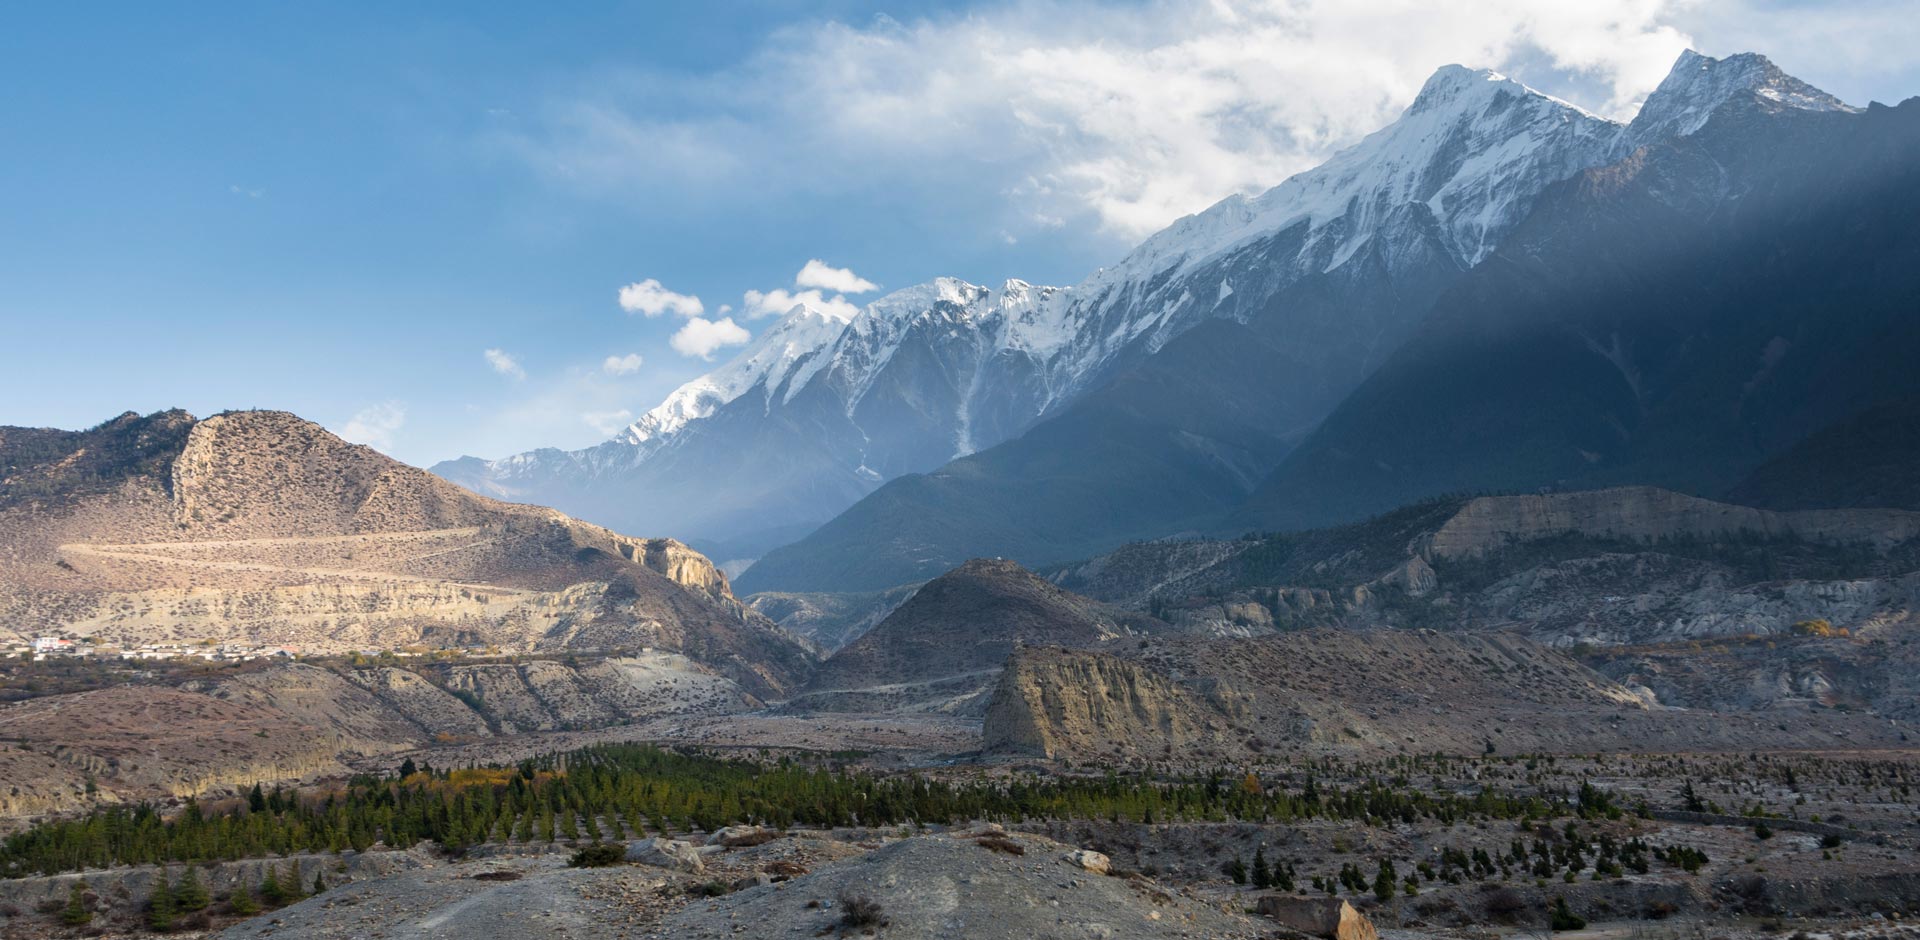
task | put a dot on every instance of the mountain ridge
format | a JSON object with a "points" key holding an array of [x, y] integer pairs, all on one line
{"points": [[975, 494]]}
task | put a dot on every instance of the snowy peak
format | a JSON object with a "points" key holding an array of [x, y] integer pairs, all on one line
{"points": [[1698, 86], [1472, 147], [797, 337], [1460, 90]]}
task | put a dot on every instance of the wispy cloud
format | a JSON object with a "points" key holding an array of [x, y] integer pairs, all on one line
{"points": [[622, 365], [1118, 116], [251, 192], [375, 425], [701, 338], [505, 364], [608, 423], [649, 298]]}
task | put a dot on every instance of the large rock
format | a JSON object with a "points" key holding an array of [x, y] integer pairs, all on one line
{"points": [[1090, 860], [1331, 918], [667, 853]]}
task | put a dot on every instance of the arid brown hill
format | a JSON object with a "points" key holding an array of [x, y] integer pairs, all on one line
{"points": [[261, 527], [942, 648]]}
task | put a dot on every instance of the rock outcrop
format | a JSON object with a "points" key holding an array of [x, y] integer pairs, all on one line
{"points": [[1052, 702], [1204, 701]]}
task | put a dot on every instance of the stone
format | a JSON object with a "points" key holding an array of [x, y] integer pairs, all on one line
{"points": [[1090, 860], [736, 836], [1329, 918]]}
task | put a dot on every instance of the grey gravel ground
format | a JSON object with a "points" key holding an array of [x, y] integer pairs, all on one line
{"points": [[944, 885]]}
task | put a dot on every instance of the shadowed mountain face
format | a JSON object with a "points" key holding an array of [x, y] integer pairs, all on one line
{"points": [[1866, 460], [1185, 434], [1674, 319], [264, 528]]}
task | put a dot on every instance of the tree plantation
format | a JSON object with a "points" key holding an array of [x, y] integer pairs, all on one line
{"points": [[628, 791]]}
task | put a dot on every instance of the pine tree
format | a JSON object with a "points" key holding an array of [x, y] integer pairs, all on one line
{"points": [[160, 908], [290, 882], [1262, 875], [1237, 870], [1561, 917], [319, 883], [77, 912], [271, 890], [1383, 882], [190, 895], [242, 901]]}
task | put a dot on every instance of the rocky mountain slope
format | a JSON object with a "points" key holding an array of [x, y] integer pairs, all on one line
{"points": [[1201, 702], [263, 528], [1674, 319], [830, 621], [1306, 291], [299, 721], [942, 648], [1612, 567]]}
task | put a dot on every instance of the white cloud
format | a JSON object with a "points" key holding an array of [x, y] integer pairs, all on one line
{"points": [[775, 302], [1115, 116], [251, 192], [375, 425], [608, 423], [649, 298], [700, 337], [622, 365], [819, 274], [505, 364]]}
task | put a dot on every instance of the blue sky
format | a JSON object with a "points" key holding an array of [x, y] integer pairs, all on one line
{"points": [[340, 209]]}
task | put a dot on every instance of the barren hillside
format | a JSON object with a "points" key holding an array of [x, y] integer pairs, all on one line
{"points": [[262, 527]]}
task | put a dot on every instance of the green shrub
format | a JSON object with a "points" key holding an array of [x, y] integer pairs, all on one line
{"points": [[1561, 917], [598, 855]]}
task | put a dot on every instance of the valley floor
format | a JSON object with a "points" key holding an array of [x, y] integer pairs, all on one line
{"points": [[1820, 845]]}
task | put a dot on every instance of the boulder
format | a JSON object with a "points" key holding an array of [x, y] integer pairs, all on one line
{"points": [[1091, 861], [740, 836], [1330, 918], [667, 853]]}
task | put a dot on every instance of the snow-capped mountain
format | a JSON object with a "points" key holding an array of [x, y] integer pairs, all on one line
{"points": [[1334, 267], [813, 414]]}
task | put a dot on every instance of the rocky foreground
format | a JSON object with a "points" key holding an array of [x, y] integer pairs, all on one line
{"points": [[975, 883]]}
